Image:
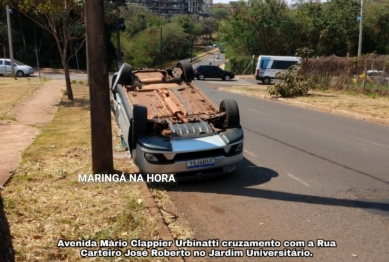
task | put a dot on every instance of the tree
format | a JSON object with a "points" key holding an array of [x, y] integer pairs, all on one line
{"points": [[144, 49], [63, 19], [258, 27], [219, 12]]}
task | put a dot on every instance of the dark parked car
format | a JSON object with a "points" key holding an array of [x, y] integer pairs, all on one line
{"points": [[209, 71]]}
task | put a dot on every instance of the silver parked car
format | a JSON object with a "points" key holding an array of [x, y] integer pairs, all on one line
{"points": [[20, 69]]}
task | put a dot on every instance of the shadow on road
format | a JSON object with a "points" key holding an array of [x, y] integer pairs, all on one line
{"points": [[247, 175]]}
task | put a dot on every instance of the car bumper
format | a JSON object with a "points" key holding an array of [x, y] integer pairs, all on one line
{"points": [[176, 162]]}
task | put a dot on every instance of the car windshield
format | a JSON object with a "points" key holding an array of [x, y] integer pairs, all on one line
{"points": [[18, 62]]}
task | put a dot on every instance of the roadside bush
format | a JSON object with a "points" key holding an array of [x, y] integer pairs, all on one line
{"points": [[291, 84], [239, 64]]}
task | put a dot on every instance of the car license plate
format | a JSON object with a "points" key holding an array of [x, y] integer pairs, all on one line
{"points": [[200, 163]]}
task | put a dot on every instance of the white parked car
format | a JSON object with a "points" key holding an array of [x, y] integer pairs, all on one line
{"points": [[20, 69]]}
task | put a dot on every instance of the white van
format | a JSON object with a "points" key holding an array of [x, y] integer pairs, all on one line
{"points": [[268, 66]]}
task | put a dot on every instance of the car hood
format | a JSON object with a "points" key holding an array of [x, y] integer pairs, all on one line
{"points": [[24, 66]]}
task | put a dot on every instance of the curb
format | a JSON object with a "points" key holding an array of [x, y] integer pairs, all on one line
{"points": [[163, 229]]}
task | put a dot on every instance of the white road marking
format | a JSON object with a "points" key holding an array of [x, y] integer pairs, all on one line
{"points": [[377, 144], [298, 179], [258, 111], [248, 152]]}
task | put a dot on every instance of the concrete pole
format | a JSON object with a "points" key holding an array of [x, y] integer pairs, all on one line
{"points": [[100, 107], [360, 29], [11, 52]]}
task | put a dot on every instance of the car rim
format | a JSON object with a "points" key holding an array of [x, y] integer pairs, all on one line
{"points": [[201, 77]]}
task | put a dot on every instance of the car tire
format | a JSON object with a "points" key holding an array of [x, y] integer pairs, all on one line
{"points": [[19, 73], [266, 81], [227, 77], [201, 77], [232, 113], [124, 74], [138, 125], [187, 70]]}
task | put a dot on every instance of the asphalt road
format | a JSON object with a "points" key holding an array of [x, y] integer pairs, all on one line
{"points": [[306, 175]]}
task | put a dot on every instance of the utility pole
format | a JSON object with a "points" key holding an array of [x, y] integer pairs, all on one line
{"points": [[11, 52], [101, 130], [360, 29], [161, 47], [37, 60]]}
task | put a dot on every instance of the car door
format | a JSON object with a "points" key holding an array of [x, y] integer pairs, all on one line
{"points": [[219, 72], [2, 66], [122, 112], [215, 72], [7, 67], [207, 71]]}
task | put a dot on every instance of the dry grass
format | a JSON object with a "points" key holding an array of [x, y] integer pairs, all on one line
{"points": [[14, 91], [44, 201], [163, 201], [377, 107]]}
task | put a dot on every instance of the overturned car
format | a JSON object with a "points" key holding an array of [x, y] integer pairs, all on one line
{"points": [[170, 126]]}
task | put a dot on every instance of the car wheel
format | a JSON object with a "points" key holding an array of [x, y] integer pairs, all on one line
{"points": [[19, 73], [227, 77], [138, 125], [187, 70], [266, 81], [232, 113], [201, 77], [124, 74]]}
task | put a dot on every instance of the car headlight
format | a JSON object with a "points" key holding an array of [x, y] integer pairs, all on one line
{"points": [[151, 157], [239, 147]]}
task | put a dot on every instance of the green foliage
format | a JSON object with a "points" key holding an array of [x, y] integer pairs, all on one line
{"points": [[291, 84], [304, 53], [258, 27], [238, 64], [144, 49], [219, 12]]}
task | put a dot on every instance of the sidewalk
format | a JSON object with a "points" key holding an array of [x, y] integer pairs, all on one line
{"points": [[37, 110]]}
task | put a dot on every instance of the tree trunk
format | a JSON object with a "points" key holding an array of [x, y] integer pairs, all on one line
{"points": [[69, 90], [7, 253]]}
